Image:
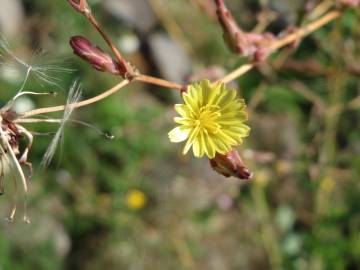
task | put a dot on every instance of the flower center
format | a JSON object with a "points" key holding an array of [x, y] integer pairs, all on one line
{"points": [[205, 119]]}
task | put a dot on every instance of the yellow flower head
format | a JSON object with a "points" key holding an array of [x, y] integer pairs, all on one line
{"points": [[136, 199], [211, 120]]}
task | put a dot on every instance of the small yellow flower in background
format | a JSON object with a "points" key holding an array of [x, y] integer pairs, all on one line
{"points": [[212, 119], [328, 184], [136, 199]]}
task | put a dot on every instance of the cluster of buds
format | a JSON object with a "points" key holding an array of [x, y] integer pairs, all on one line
{"points": [[251, 45]]}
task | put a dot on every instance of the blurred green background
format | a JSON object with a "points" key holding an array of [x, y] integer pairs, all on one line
{"points": [[135, 202]]}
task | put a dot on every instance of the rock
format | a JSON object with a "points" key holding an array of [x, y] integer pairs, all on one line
{"points": [[276, 133], [287, 11], [137, 13], [169, 57]]}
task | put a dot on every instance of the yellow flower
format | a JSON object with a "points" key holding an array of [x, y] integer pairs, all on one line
{"points": [[212, 119], [136, 199]]}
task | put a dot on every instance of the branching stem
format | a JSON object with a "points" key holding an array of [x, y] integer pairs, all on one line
{"points": [[300, 33], [83, 103]]}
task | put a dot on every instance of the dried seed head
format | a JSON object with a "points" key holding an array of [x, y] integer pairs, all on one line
{"points": [[73, 97], [231, 164], [99, 59], [43, 69], [10, 135]]}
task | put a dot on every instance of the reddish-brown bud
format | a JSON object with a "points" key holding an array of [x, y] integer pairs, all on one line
{"points": [[232, 32], [99, 59], [231, 164]]}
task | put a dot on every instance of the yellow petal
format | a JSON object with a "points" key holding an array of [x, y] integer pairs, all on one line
{"points": [[213, 94], [182, 110], [181, 120], [196, 149], [178, 134], [187, 147], [190, 102]]}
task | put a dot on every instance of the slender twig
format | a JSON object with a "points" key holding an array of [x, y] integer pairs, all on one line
{"points": [[111, 45], [131, 73], [129, 69], [158, 81], [113, 90], [237, 72], [300, 33], [307, 29], [320, 9], [83, 103]]}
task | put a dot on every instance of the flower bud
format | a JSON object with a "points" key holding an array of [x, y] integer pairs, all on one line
{"points": [[99, 59], [232, 32], [231, 164]]}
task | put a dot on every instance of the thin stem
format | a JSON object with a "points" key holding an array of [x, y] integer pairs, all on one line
{"points": [[37, 120], [116, 88], [83, 103], [320, 9], [24, 83], [306, 30], [237, 73], [122, 61], [158, 81], [59, 121], [111, 45], [300, 33]]}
